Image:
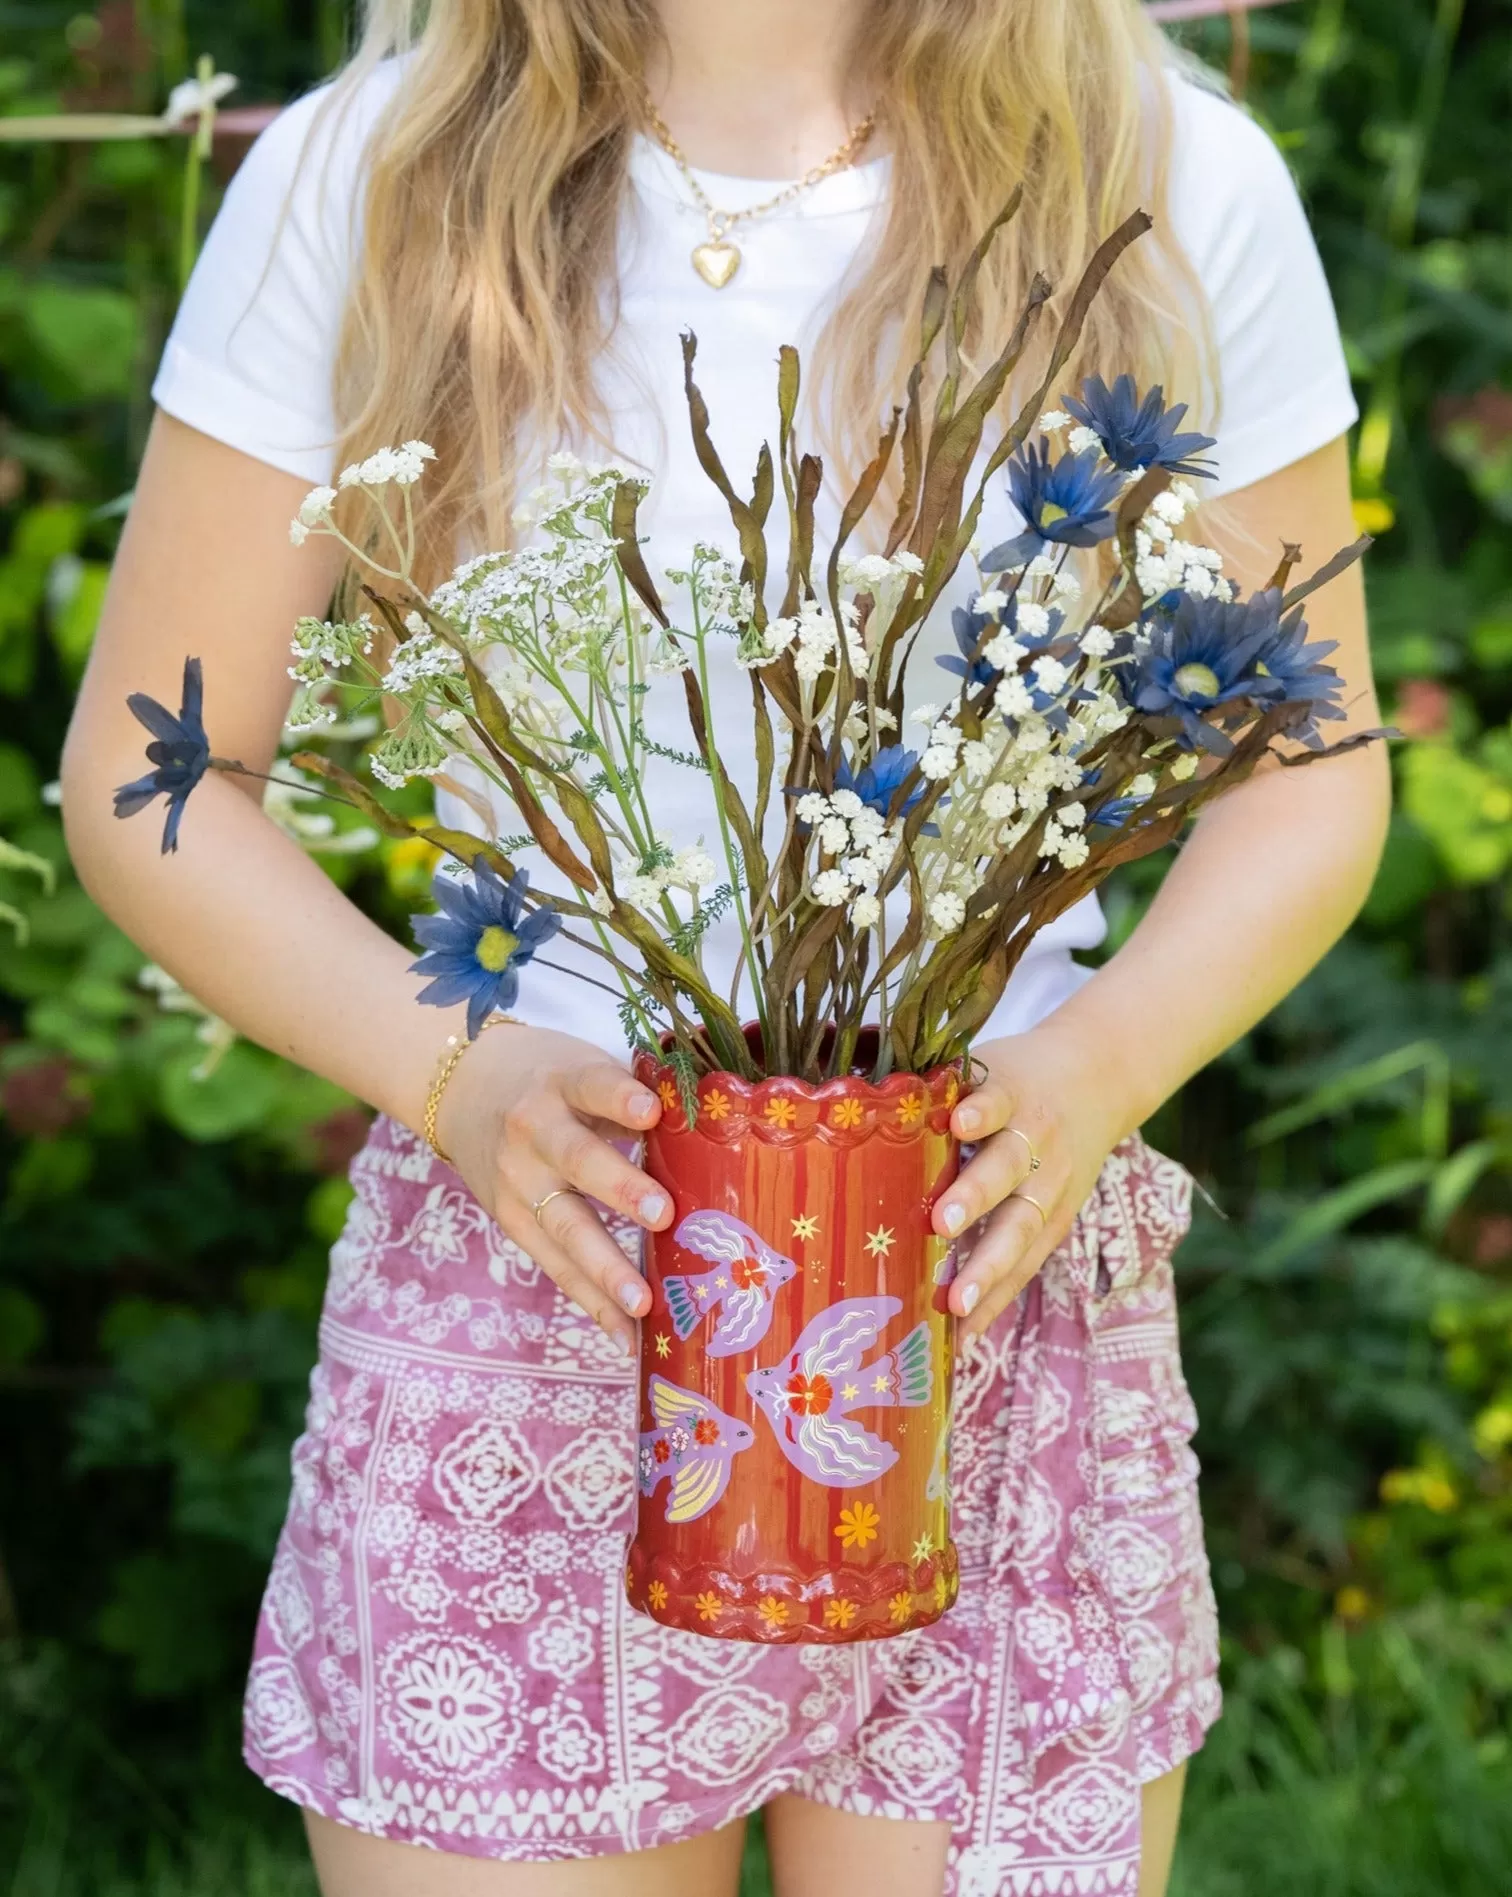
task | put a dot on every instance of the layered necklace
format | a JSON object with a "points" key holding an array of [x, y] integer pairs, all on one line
{"points": [[717, 259]]}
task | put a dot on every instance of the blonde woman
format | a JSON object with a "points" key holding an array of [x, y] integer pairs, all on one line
{"points": [[489, 235]]}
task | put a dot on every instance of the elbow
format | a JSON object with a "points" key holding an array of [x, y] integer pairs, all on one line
{"points": [[87, 809], [1369, 811]]}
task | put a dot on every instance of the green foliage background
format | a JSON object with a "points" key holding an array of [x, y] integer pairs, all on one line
{"points": [[1348, 1314]]}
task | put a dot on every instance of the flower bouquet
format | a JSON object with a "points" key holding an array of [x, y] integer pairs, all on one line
{"points": [[1108, 681]]}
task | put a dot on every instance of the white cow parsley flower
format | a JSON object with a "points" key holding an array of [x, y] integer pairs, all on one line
{"points": [[866, 912], [1049, 674], [998, 802], [947, 912]]}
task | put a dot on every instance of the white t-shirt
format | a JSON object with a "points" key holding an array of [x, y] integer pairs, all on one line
{"points": [[250, 357]]}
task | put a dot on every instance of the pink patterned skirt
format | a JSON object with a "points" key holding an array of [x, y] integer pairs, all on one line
{"points": [[445, 1655]]}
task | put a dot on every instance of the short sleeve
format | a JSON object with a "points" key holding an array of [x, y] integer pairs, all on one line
{"points": [[1285, 386], [250, 356]]}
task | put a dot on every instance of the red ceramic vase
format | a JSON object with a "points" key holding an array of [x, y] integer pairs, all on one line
{"points": [[797, 1360]]}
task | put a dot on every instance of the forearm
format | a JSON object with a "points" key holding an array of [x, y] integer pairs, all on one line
{"points": [[1268, 881], [253, 928]]}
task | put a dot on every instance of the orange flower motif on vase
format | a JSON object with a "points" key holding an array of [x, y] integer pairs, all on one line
{"points": [[748, 1273], [708, 1605], [780, 1112], [669, 1097], [839, 1613], [846, 1113], [910, 1109], [900, 1607], [809, 1396], [858, 1525], [773, 1612], [656, 1594], [716, 1105]]}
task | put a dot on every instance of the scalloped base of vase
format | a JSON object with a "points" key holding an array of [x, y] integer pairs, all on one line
{"points": [[778, 1607]]}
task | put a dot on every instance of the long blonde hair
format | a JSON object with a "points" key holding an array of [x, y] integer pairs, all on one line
{"points": [[485, 288]]}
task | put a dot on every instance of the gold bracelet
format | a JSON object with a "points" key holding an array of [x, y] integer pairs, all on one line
{"points": [[455, 1046]]}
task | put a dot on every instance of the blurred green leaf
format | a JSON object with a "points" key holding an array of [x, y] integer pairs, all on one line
{"points": [[236, 1096]]}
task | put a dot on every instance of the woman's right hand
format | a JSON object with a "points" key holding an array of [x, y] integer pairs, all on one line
{"points": [[529, 1112]]}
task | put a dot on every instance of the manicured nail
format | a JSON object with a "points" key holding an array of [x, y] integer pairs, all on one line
{"points": [[641, 1104], [630, 1297], [969, 1298], [652, 1207], [953, 1216]]}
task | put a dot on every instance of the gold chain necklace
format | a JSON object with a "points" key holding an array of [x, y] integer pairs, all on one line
{"points": [[716, 260]]}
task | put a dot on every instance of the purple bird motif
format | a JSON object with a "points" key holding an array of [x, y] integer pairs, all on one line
{"points": [[747, 1274], [694, 1443], [808, 1398]]}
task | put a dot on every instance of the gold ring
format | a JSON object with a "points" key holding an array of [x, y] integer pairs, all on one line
{"points": [[1034, 1158], [1021, 1194], [560, 1192]]}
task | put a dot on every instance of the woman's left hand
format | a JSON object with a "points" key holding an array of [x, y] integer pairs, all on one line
{"points": [[1046, 1097]]}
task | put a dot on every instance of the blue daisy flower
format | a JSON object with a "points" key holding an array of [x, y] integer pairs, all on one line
{"points": [[971, 627], [879, 782], [1137, 435], [1292, 672], [476, 948], [1206, 654], [179, 753], [1064, 503]]}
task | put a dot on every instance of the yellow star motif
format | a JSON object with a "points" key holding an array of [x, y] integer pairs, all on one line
{"points": [[806, 1227], [663, 1344], [879, 1382], [722, 1283], [848, 1391], [923, 1548], [880, 1242], [700, 1291]]}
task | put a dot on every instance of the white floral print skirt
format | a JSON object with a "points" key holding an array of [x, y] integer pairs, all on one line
{"points": [[445, 1656]]}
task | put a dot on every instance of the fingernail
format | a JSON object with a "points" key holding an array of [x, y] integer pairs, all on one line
{"points": [[953, 1216], [969, 1298], [641, 1104], [630, 1297], [652, 1207], [622, 1344], [967, 1120]]}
